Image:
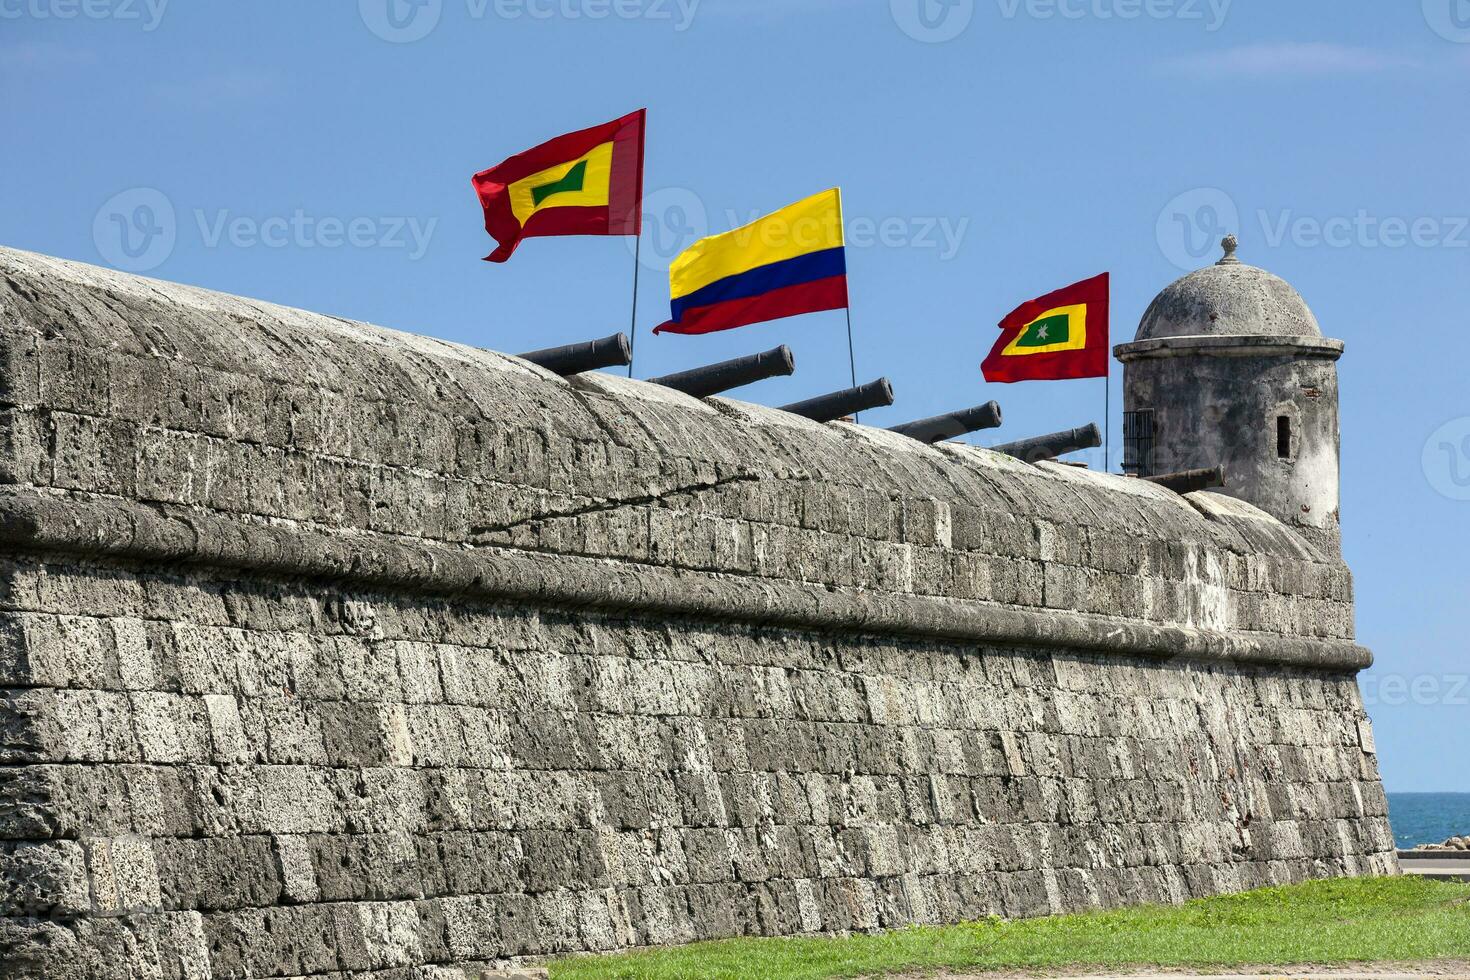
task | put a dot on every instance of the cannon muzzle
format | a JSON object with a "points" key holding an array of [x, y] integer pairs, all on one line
{"points": [[613, 351], [1188, 481], [952, 425], [849, 401], [727, 375], [1055, 444]]}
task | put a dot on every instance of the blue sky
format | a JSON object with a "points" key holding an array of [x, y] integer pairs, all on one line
{"points": [[319, 155]]}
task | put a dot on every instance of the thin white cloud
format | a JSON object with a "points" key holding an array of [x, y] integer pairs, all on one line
{"points": [[44, 55], [1284, 58]]}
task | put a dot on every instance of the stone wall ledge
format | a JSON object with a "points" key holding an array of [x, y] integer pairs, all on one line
{"points": [[113, 528], [1230, 345]]}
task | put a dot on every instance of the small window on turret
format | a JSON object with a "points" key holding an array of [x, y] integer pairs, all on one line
{"points": [[1283, 437]]}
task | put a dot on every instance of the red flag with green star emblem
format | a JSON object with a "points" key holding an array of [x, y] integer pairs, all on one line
{"points": [[1061, 335]]}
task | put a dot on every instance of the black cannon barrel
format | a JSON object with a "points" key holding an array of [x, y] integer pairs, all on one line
{"points": [[1052, 445], [839, 404], [726, 375], [952, 424], [1188, 481], [614, 351]]}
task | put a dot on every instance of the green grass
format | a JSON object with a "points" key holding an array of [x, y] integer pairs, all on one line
{"points": [[1347, 920]]}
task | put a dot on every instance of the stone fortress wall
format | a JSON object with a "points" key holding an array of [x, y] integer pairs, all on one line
{"points": [[327, 650]]}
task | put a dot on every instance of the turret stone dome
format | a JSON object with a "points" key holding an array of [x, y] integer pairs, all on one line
{"points": [[1231, 370], [1228, 299]]}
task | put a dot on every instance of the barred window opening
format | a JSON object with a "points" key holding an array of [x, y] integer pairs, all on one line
{"points": [[1138, 442]]}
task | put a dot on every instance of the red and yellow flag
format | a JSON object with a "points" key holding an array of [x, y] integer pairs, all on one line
{"points": [[1061, 335], [584, 183]]}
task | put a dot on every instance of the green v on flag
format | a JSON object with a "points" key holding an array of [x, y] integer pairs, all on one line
{"points": [[569, 184]]}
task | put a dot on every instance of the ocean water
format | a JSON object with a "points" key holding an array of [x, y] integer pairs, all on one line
{"points": [[1428, 818]]}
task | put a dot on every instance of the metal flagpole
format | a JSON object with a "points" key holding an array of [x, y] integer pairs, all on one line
{"points": [[633, 326], [851, 358], [851, 361], [1108, 419]]}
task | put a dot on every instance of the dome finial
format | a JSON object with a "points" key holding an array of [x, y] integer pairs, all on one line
{"points": [[1229, 243]]}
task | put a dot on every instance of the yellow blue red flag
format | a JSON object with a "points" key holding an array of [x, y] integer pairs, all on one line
{"points": [[785, 264]]}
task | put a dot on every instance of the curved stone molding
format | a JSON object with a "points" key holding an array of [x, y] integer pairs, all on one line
{"points": [[121, 529], [1230, 345]]}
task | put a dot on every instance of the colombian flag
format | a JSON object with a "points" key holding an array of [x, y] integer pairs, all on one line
{"points": [[1063, 334], [584, 183], [787, 263]]}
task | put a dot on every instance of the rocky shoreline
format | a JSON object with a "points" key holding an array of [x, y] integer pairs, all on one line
{"points": [[1453, 844]]}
